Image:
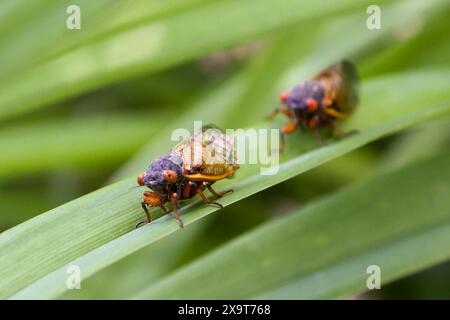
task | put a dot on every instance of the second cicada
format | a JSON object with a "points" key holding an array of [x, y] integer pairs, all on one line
{"points": [[191, 167], [329, 96]]}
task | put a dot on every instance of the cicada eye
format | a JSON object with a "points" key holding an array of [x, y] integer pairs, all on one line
{"points": [[312, 104], [284, 96], [140, 179], [170, 176]]}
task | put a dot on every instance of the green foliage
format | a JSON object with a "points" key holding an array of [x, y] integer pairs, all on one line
{"points": [[81, 108]]}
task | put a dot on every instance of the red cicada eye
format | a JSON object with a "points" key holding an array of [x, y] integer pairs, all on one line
{"points": [[140, 179], [284, 96], [170, 176], [312, 104]]}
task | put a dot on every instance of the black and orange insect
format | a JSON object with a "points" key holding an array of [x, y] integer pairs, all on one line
{"points": [[329, 96], [191, 167]]}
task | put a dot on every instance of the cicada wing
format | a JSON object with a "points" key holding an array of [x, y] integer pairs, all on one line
{"points": [[191, 149], [341, 82], [209, 152], [211, 126], [219, 153], [347, 98]]}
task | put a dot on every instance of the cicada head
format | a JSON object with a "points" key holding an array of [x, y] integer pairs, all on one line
{"points": [[283, 96], [163, 172]]}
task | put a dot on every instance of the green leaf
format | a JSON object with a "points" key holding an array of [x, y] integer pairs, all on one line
{"points": [[418, 142], [94, 231], [324, 250]]}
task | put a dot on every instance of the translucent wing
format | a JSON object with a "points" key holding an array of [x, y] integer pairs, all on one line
{"points": [[209, 152], [341, 83]]}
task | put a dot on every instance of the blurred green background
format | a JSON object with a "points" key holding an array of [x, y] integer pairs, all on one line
{"points": [[81, 108]]}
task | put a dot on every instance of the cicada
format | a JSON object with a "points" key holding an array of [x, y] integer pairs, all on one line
{"points": [[330, 96], [191, 167]]}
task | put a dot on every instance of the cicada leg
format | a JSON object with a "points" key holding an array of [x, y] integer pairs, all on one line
{"points": [[147, 212], [150, 199], [313, 124], [205, 199], [278, 110], [338, 131], [287, 128], [175, 198], [217, 194], [334, 113], [272, 115]]}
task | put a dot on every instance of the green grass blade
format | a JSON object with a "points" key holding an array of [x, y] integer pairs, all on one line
{"points": [[323, 250], [70, 233], [418, 142]]}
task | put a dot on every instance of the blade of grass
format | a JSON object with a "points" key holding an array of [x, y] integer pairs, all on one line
{"points": [[128, 275], [418, 142], [14, 210], [108, 213], [323, 250]]}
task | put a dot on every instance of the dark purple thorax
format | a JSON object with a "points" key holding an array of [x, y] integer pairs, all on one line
{"points": [[298, 96]]}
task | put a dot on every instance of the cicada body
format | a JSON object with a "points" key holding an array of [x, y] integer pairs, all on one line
{"points": [[330, 96], [192, 166]]}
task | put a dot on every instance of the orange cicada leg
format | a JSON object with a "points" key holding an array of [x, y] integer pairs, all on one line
{"points": [[313, 124], [282, 110], [150, 199], [205, 199], [175, 198], [217, 194], [338, 131], [286, 129], [334, 113]]}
